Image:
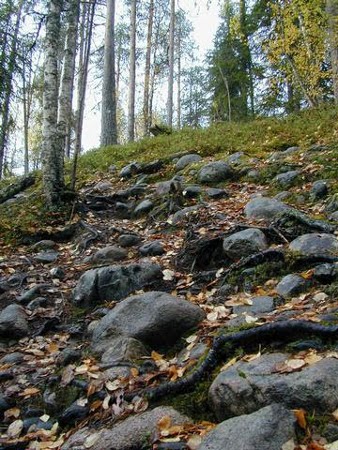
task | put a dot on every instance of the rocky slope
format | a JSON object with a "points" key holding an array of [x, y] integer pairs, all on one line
{"points": [[106, 330]]}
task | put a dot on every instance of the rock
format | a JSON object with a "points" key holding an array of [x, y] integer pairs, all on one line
{"points": [[186, 160], [33, 293], [109, 254], [247, 386], [264, 208], [319, 189], [35, 423], [39, 302], [122, 348], [192, 191], [287, 178], [217, 193], [13, 322], [143, 208], [325, 273], [260, 305], [135, 432], [128, 240], [292, 285], [155, 318], [236, 158], [114, 282], [215, 172], [267, 429], [47, 257], [68, 356], [281, 196], [314, 244], [112, 168], [122, 210], [164, 187], [57, 272], [253, 173], [331, 432], [183, 214], [129, 170], [154, 248], [45, 244], [12, 358], [244, 243], [74, 413], [332, 204], [334, 216], [103, 186]]}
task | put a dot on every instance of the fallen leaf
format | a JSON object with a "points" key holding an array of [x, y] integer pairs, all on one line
{"points": [[168, 275], [289, 445], [335, 414], [164, 423], [295, 364], [300, 416], [12, 412], [15, 428], [113, 385], [194, 442], [229, 363], [29, 392]]}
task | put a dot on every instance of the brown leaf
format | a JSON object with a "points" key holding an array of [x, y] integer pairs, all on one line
{"points": [[300, 416], [28, 392], [164, 423]]}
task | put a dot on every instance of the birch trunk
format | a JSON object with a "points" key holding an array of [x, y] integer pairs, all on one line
{"points": [[332, 11], [67, 78], [51, 160], [108, 113], [146, 121], [132, 73], [171, 64]]}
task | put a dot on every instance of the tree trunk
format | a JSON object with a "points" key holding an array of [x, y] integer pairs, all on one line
{"points": [[67, 78], [86, 32], [132, 73], [146, 121], [8, 89], [332, 11], [171, 63], [53, 180], [108, 113], [179, 75]]}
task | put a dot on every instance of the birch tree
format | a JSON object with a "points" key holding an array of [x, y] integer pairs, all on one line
{"points": [[171, 63], [132, 73], [332, 12], [52, 161], [108, 112]]}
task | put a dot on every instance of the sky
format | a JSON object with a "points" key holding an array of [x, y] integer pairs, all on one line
{"points": [[205, 21]]}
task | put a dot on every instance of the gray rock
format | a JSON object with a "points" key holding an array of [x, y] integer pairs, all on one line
{"points": [[332, 204], [186, 160], [39, 302], [290, 150], [334, 216], [215, 172], [135, 432], [103, 186], [143, 208], [122, 210], [128, 240], [12, 358], [13, 322], [287, 178], [164, 187], [192, 191], [68, 356], [46, 257], [267, 429], [121, 348], [154, 248], [314, 244], [247, 386], [281, 196], [129, 170], [319, 189], [183, 214], [244, 243], [57, 272], [217, 193], [236, 158], [260, 305], [264, 208], [292, 285], [45, 244], [114, 282], [325, 273], [155, 318], [253, 173], [109, 254]]}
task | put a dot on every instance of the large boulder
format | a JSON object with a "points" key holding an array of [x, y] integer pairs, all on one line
{"points": [[267, 429], [244, 243], [13, 322], [114, 282], [135, 432], [155, 318], [314, 244], [247, 386], [264, 208], [215, 172]]}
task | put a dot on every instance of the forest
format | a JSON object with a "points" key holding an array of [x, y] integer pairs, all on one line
{"points": [[269, 57]]}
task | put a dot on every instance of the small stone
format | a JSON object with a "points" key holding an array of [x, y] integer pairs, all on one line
{"points": [[192, 191], [57, 272], [12, 358], [47, 257], [217, 193], [244, 243], [291, 285], [45, 244], [73, 414], [39, 302], [109, 254], [215, 172], [129, 170], [68, 356], [187, 160], [319, 189], [143, 208], [154, 248], [287, 178], [129, 240]]}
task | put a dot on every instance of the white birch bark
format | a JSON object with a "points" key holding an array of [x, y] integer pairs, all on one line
{"points": [[171, 64], [52, 169], [132, 73], [146, 115], [332, 11], [108, 111]]}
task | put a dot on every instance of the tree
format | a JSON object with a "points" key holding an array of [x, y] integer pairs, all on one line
{"points": [[332, 12], [132, 73], [108, 109], [171, 63], [52, 157], [146, 91]]}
